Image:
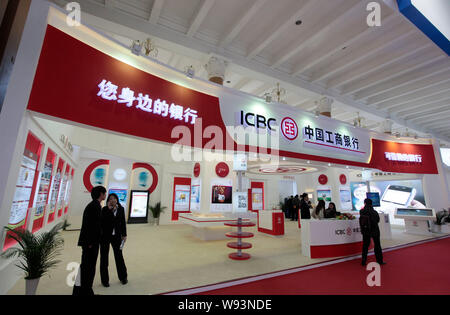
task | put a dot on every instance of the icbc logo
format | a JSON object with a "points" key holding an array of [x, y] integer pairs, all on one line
{"points": [[289, 128]]}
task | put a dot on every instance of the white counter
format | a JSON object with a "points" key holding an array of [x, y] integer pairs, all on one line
{"points": [[330, 238]]}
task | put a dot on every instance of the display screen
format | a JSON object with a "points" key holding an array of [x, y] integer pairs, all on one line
{"points": [[419, 212], [222, 195], [375, 197], [399, 197], [139, 204]]}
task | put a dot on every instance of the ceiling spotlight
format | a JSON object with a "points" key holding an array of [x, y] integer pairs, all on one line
{"points": [[309, 162], [347, 167], [190, 72], [136, 47], [329, 164], [298, 22], [284, 159]]}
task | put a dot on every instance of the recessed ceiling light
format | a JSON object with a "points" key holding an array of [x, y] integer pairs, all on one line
{"points": [[298, 22]]}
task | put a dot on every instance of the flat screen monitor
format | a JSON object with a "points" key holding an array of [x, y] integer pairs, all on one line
{"points": [[138, 211], [375, 197]]}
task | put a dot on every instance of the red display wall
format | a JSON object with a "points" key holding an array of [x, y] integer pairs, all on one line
{"points": [[57, 186], [179, 181], [250, 199], [38, 222], [32, 151]]}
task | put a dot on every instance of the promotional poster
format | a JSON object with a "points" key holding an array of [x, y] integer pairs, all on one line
{"points": [[182, 197], [195, 194], [221, 195], [393, 194], [122, 194]]}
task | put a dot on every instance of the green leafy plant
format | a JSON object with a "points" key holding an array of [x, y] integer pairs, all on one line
{"points": [[37, 253], [157, 210], [65, 225]]}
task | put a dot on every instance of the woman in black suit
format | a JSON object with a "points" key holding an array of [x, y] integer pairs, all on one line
{"points": [[114, 232]]}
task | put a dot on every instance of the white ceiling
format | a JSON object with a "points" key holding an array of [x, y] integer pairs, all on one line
{"points": [[389, 72]]}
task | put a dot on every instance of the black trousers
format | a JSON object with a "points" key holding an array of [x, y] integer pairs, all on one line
{"points": [[115, 242], [87, 268], [294, 215], [377, 247]]}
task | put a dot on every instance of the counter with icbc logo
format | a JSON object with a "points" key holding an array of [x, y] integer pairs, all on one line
{"points": [[330, 238]]}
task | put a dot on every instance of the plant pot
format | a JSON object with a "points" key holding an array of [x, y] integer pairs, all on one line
{"points": [[156, 221], [31, 286], [435, 228]]}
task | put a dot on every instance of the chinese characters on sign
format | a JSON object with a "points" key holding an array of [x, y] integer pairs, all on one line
{"points": [[400, 157], [109, 91], [332, 139]]}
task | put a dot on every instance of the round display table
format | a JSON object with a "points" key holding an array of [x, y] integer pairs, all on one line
{"points": [[239, 235]]}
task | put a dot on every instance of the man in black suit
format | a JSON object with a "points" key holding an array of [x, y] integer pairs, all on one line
{"points": [[114, 232], [368, 221], [89, 241], [305, 207]]}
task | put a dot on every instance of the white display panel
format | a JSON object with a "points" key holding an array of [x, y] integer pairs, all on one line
{"points": [[182, 198], [24, 185], [240, 162], [139, 204], [257, 199], [240, 202], [196, 190]]}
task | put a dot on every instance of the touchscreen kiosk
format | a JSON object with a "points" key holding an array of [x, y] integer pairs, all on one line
{"points": [[138, 211], [416, 220]]}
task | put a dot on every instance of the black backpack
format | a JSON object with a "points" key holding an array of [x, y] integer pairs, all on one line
{"points": [[365, 224]]}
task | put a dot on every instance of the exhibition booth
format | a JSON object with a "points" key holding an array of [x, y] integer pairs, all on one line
{"points": [[99, 115]]}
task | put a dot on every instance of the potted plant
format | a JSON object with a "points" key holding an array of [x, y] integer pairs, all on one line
{"points": [[156, 211], [436, 225], [65, 225], [36, 253]]}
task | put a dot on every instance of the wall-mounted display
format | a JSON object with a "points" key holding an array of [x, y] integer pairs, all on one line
{"points": [[182, 198], [394, 194], [346, 198], [43, 190], [375, 197], [196, 189], [122, 194], [324, 193], [25, 187], [257, 199], [221, 195], [138, 210]]}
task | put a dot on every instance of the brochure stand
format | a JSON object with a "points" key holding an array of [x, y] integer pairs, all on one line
{"points": [[239, 245]]}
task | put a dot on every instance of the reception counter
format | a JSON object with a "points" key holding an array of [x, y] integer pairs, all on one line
{"points": [[330, 238]]}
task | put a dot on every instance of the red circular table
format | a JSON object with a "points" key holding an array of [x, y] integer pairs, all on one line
{"points": [[239, 235]]}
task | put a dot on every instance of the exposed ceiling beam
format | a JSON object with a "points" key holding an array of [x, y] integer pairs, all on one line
{"points": [[401, 104], [346, 37], [279, 29], [242, 22], [243, 82], [400, 50], [180, 42], [324, 26], [200, 16], [423, 108], [418, 75], [110, 3], [263, 88], [395, 33], [437, 122], [436, 112], [416, 61], [439, 79], [156, 11]]}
